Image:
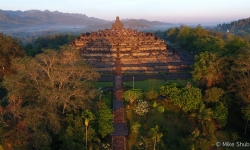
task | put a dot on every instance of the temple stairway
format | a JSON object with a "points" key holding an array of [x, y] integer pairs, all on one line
{"points": [[119, 123]]}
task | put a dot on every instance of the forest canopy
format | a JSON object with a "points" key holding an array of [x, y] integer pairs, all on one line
{"points": [[240, 27], [46, 93]]}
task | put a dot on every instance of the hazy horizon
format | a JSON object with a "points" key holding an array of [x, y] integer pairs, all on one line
{"points": [[174, 11]]}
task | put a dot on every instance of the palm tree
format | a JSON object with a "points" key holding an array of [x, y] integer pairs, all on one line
{"points": [[246, 112], [203, 114], [94, 144], [88, 116], [155, 135]]}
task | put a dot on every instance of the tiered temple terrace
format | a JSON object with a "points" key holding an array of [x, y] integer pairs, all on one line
{"points": [[139, 52]]}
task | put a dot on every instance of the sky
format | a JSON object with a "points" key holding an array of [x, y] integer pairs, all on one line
{"points": [[175, 11]]}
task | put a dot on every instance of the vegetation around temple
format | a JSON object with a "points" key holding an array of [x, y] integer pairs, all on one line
{"points": [[50, 100], [240, 27]]}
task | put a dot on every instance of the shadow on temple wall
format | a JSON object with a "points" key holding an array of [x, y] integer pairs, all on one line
{"points": [[97, 50], [120, 50]]}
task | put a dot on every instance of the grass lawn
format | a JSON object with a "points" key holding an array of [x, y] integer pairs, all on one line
{"points": [[146, 84], [103, 84], [107, 97], [156, 84]]}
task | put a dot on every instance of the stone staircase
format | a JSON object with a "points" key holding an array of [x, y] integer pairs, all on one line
{"points": [[120, 126], [119, 123]]}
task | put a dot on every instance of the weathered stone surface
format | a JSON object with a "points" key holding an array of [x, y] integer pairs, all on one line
{"points": [[119, 143], [101, 47], [119, 123], [117, 25]]}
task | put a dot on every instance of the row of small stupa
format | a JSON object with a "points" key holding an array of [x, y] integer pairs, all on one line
{"points": [[138, 51]]}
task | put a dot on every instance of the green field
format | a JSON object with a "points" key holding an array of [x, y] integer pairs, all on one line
{"points": [[103, 84], [147, 84]]}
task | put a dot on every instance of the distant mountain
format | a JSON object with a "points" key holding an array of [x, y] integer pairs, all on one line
{"points": [[14, 19], [142, 23], [10, 19]]}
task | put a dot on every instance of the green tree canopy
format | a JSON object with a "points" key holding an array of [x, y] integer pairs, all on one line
{"points": [[135, 127], [186, 37], [171, 91], [48, 42], [132, 95], [105, 121], [203, 115], [160, 109], [9, 50], [213, 94], [220, 113], [188, 98], [47, 86], [208, 68], [156, 135], [172, 34], [73, 136], [151, 94], [234, 44], [246, 113], [238, 78], [191, 98]]}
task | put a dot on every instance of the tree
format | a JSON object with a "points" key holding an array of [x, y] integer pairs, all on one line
{"points": [[239, 75], [160, 109], [72, 137], [151, 94], [203, 114], [213, 94], [185, 38], [88, 116], [135, 127], [220, 113], [47, 42], [105, 121], [188, 98], [47, 87], [132, 95], [171, 92], [191, 98], [208, 68], [156, 135], [234, 44], [206, 41], [172, 34], [141, 108], [9, 50], [246, 112]]}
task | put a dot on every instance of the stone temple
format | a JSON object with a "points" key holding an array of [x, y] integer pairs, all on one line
{"points": [[137, 52]]}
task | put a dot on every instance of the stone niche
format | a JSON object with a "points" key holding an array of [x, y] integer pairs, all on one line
{"points": [[103, 47]]}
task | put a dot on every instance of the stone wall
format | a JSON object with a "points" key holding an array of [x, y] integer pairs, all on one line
{"points": [[134, 47]]}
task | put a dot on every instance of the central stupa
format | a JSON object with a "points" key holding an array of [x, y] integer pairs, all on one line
{"points": [[136, 51], [117, 25]]}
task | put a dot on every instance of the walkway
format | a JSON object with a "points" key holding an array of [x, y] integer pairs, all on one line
{"points": [[119, 123]]}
